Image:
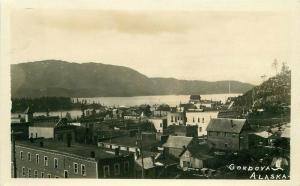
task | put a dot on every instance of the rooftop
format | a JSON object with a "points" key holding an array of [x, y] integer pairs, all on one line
{"points": [[132, 141], [148, 163], [75, 149], [178, 141], [226, 125], [199, 151], [51, 123]]}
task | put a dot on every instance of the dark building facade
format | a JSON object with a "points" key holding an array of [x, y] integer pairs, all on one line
{"points": [[52, 159], [228, 134]]}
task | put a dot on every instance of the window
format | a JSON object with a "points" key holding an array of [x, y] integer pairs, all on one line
{"points": [[49, 175], [66, 174], [193, 120], [37, 158], [29, 173], [23, 171], [160, 124], [75, 167], [45, 161], [171, 118], [200, 129], [83, 172], [55, 163], [117, 169], [29, 156], [42, 174], [198, 120], [35, 173], [21, 155], [106, 171], [126, 167]]}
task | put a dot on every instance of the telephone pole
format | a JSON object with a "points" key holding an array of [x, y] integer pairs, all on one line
{"points": [[141, 150]]}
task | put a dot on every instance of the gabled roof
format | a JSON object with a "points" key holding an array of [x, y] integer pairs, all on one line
{"points": [[286, 133], [178, 141], [226, 125], [199, 151], [148, 163]]}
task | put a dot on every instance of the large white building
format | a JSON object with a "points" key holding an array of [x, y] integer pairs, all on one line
{"points": [[176, 118], [200, 118], [159, 123]]}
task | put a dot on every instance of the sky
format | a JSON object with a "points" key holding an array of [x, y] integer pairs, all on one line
{"points": [[191, 44]]}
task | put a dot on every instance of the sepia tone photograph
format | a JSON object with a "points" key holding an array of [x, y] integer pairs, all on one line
{"points": [[150, 93]]}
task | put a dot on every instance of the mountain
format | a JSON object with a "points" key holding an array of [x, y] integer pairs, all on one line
{"points": [[60, 78]]}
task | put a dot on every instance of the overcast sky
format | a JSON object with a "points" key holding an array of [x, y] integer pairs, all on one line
{"points": [[184, 44]]}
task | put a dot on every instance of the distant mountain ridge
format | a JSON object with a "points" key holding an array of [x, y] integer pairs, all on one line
{"points": [[61, 78]]}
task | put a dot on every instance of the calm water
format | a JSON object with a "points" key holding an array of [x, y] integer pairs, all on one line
{"points": [[171, 100]]}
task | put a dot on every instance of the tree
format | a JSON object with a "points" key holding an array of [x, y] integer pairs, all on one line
{"points": [[275, 65], [284, 68]]}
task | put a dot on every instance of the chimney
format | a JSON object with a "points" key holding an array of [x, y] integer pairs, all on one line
{"points": [[117, 151], [92, 154], [41, 144]]}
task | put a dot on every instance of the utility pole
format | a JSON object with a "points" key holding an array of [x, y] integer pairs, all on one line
{"points": [[141, 150]]}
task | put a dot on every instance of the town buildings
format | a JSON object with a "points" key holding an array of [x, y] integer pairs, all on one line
{"points": [[183, 130], [43, 127], [175, 145], [176, 118], [228, 134], [160, 123], [52, 159], [134, 144], [196, 156], [200, 118]]}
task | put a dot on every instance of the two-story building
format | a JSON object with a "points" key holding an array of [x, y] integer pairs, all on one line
{"points": [[43, 127], [175, 145], [175, 118], [160, 123], [228, 134], [200, 118], [52, 159], [133, 144]]}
